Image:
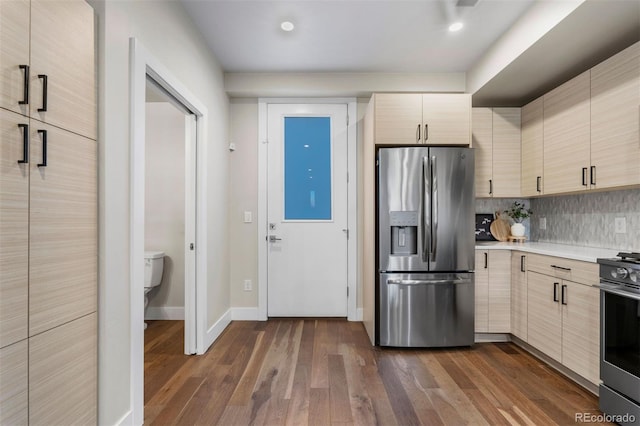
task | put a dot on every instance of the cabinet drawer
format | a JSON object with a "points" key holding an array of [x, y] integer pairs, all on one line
{"points": [[565, 269]]}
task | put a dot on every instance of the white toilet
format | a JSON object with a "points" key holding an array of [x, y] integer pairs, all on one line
{"points": [[153, 267]]}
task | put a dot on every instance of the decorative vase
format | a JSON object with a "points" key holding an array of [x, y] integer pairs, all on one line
{"points": [[517, 230]]}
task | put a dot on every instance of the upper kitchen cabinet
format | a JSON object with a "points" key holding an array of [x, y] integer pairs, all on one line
{"points": [[430, 118], [566, 136], [14, 55], [62, 74], [615, 135], [532, 145], [496, 141]]}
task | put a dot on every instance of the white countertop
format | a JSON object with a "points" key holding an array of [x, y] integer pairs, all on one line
{"points": [[586, 254]]}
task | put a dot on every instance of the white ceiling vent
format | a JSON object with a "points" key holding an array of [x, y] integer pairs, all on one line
{"points": [[466, 3]]}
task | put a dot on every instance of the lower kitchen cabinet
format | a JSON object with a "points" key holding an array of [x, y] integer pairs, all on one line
{"points": [[519, 295], [14, 384], [564, 322], [493, 291], [62, 374]]}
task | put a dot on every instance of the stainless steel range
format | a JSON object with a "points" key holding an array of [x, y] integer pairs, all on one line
{"points": [[620, 337]]}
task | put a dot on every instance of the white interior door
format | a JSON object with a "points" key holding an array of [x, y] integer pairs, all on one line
{"points": [[307, 210], [190, 322]]}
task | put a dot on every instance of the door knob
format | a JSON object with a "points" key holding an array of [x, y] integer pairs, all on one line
{"points": [[273, 239]]}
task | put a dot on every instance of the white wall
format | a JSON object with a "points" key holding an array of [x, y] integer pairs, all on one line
{"points": [[167, 33], [164, 204]]}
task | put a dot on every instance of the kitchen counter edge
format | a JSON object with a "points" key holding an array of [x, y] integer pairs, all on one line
{"points": [[585, 254]]}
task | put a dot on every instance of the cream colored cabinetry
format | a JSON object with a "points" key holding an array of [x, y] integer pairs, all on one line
{"points": [[48, 214], [14, 228], [431, 118], [532, 149], [496, 141], [566, 136], [519, 295], [564, 312], [615, 118], [493, 291]]}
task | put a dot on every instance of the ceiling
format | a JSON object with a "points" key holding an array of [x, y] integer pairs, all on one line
{"points": [[396, 36]]}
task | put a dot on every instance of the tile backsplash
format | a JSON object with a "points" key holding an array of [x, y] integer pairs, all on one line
{"points": [[588, 219]]}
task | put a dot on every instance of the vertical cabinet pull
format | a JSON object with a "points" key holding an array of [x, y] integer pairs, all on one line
{"points": [[426, 133], [418, 134], [486, 260], [593, 175], [43, 135], [584, 176], [45, 87], [522, 263], [555, 291], [490, 186], [564, 294], [25, 143], [25, 86], [538, 179]]}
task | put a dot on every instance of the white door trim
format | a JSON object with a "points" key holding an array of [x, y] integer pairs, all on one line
{"points": [[143, 64], [352, 199]]}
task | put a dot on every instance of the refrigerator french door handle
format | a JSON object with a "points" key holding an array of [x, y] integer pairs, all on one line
{"points": [[427, 282], [434, 207], [426, 213]]}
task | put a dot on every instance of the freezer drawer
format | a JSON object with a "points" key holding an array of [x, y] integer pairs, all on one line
{"points": [[426, 310]]}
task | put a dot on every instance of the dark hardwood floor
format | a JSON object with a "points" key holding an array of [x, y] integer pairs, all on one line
{"points": [[325, 372]]}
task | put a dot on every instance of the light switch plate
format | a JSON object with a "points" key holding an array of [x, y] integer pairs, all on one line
{"points": [[248, 285], [621, 225], [247, 217], [543, 223]]}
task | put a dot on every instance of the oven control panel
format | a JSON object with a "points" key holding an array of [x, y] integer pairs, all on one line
{"points": [[619, 272]]}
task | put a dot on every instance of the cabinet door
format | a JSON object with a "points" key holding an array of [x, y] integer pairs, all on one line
{"points": [[13, 384], [482, 143], [581, 330], [499, 291], [398, 118], [62, 48], [615, 135], [532, 145], [63, 223], [63, 374], [519, 295], [482, 291], [446, 118], [14, 52], [14, 229], [544, 328], [567, 136], [506, 152]]}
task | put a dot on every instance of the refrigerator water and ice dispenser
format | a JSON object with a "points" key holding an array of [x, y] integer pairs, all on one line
{"points": [[404, 233]]}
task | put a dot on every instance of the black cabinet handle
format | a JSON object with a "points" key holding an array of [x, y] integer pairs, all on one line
{"points": [[564, 294], [25, 87], [43, 134], [45, 86], [486, 260], [25, 143], [561, 267], [490, 186], [426, 133], [555, 291], [584, 176], [418, 134], [522, 263], [538, 179], [593, 175]]}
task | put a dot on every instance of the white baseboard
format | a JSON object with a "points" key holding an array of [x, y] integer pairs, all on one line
{"points": [[216, 330], [359, 314], [126, 420], [164, 313], [244, 314]]}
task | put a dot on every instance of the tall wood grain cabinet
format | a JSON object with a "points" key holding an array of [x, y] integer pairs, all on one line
{"points": [[531, 183], [48, 213]]}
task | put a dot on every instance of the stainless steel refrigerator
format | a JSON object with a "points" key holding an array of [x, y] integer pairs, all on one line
{"points": [[426, 238]]}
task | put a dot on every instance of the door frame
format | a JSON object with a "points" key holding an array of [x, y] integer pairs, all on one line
{"points": [[144, 64], [352, 199]]}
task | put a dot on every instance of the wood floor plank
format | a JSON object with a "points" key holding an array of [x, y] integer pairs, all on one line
{"points": [[325, 372]]}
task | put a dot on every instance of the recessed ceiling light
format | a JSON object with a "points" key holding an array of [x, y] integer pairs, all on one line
{"points": [[287, 26], [456, 26]]}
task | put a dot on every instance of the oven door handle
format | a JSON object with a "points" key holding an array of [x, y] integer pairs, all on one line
{"points": [[621, 293]]}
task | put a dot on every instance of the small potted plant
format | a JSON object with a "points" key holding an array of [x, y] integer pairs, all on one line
{"points": [[518, 213]]}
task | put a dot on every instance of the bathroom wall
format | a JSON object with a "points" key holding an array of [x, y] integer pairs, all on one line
{"points": [[491, 205], [589, 219], [164, 205]]}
